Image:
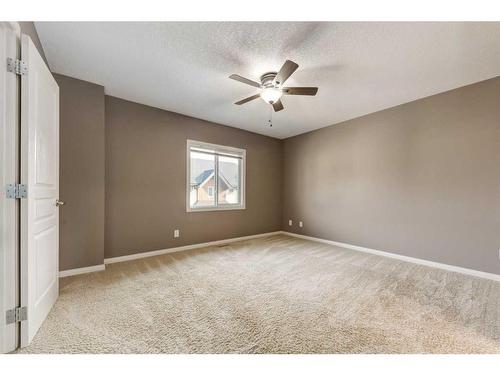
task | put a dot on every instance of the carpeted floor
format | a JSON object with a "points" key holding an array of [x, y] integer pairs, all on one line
{"points": [[272, 295]]}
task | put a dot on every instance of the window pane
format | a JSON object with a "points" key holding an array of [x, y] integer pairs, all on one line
{"points": [[229, 180], [202, 180]]}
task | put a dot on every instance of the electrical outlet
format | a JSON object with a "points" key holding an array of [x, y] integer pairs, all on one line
{"points": [[177, 233], [498, 253], [300, 224], [290, 223]]}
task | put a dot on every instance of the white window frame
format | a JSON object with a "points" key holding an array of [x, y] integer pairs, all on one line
{"points": [[217, 149]]}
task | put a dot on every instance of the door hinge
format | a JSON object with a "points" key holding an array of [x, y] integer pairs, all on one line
{"points": [[17, 191], [17, 66], [16, 315]]}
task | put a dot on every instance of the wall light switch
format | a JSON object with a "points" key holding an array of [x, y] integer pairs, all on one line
{"points": [[290, 222], [300, 224], [176, 233]]}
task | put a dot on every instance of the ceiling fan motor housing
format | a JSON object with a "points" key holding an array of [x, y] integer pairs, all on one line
{"points": [[267, 79]]}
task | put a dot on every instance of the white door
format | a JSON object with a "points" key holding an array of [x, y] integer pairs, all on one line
{"points": [[40, 172]]}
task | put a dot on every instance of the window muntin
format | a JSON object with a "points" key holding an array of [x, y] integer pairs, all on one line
{"points": [[216, 176]]}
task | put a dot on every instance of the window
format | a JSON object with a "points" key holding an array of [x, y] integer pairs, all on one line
{"points": [[215, 177]]}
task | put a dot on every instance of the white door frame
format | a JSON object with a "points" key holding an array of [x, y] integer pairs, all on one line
{"points": [[9, 163]]}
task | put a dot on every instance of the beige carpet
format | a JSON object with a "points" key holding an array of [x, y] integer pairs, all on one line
{"points": [[272, 295]]}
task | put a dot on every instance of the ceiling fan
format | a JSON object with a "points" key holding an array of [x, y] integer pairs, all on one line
{"points": [[271, 86]]}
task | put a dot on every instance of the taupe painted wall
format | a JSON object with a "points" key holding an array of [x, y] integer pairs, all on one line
{"points": [[82, 166], [146, 181], [28, 28], [421, 179]]}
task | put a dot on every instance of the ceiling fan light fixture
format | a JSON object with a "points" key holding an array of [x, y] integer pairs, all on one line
{"points": [[271, 88], [271, 94]]}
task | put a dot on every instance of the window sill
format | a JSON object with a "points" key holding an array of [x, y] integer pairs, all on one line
{"points": [[208, 209]]}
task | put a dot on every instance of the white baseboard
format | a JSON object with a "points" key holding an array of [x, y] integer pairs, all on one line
{"points": [[153, 253], [447, 267], [79, 271]]}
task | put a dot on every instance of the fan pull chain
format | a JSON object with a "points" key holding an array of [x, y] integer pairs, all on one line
{"points": [[270, 121]]}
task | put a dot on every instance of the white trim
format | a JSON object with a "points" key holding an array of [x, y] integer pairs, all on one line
{"points": [[13, 26], [79, 271], [404, 258], [221, 207], [147, 254], [153, 253], [9, 166], [215, 148], [240, 152]]}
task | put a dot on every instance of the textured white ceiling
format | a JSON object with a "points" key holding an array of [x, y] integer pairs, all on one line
{"points": [[359, 67]]}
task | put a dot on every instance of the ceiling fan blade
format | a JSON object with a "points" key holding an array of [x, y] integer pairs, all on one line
{"points": [[300, 90], [278, 106], [238, 78], [285, 72], [250, 98]]}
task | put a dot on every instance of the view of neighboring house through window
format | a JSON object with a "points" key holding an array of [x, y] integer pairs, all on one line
{"points": [[215, 177]]}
